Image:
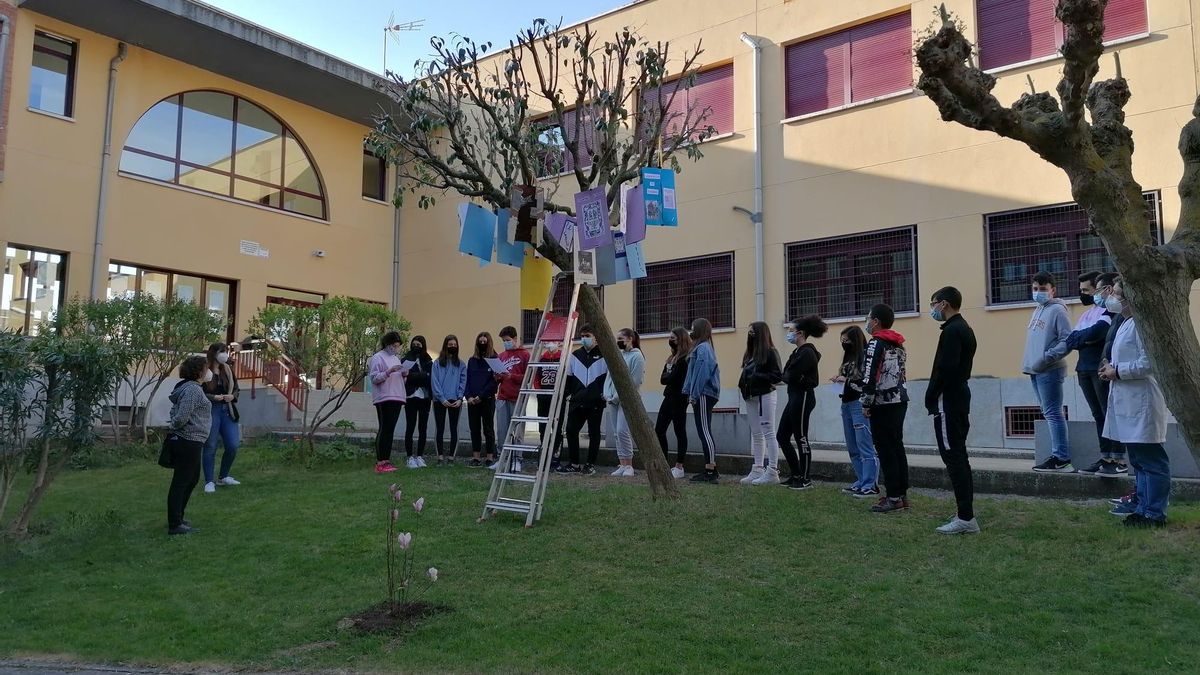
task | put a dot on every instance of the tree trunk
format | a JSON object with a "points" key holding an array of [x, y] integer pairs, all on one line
{"points": [[662, 484], [146, 414], [43, 478]]}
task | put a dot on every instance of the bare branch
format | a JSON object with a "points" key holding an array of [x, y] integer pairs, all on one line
{"points": [[1083, 25]]}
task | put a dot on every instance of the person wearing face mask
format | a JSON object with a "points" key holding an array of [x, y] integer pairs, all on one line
{"points": [[948, 399], [388, 390], [418, 399], [1044, 363], [885, 404], [859, 443], [630, 343], [546, 380], [761, 372], [1137, 417], [190, 422], [672, 413], [1105, 287], [702, 386], [1088, 338], [800, 374], [585, 385], [516, 358], [221, 388], [449, 385], [480, 392]]}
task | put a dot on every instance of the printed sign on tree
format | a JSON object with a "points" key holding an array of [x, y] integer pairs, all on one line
{"points": [[591, 219], [658, 194]]}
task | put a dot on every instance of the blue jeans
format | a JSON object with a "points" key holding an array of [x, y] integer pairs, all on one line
{"points": [[1048, 387], [226, 430], [860, 445], [1153, 479]]}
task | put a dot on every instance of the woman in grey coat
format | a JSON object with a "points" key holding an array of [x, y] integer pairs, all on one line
{"points": [[191, 419]]}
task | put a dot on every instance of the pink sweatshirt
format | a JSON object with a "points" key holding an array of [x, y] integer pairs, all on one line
{"points": [[386, 387]]}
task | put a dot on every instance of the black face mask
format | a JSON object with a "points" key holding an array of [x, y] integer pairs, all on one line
{"points": [[621, 345], [674, 345], [452, 351], [847, 347], [1087, 298]]}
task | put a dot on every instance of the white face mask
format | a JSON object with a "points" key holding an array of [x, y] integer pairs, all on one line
{"points": [[1113, 304], [207, 376], [222, 357]]}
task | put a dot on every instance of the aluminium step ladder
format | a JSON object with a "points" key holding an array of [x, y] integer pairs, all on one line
{"points": [[512, 489]]}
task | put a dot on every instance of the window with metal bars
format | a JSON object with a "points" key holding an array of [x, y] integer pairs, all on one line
{"points": [[709, 93], [677, 292], [1056, 239], [1019, 420], [843, 277], [530, 318]]}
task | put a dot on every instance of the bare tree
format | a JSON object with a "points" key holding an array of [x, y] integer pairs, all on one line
{"points": [[1082, 131], [564, 105]]}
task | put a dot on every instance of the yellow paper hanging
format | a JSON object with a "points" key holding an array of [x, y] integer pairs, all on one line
{"points": [[536, 276]]}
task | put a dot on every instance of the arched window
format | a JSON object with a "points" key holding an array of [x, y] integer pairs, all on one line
{"points": [[224, 144]]}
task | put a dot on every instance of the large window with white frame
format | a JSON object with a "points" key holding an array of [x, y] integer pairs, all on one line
{"points": [[52, 75], [218, 295], [34, 287]]}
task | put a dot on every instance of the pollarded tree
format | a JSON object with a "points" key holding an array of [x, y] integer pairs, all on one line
{"points": [[564, 105], [1082, 131]]}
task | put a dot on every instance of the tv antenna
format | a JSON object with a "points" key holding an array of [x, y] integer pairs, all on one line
{"points": [[392, 28]]}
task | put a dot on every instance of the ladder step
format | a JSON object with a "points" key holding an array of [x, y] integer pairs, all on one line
{"points": [[517, 447], [514, 505], [528, 419], [538, 392], [517, 477]]}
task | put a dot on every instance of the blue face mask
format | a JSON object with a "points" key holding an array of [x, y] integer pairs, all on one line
{"points": [[936, 315], [791, 337], [1098, 299], [1041, 297], [587, 342], [509, 345]]}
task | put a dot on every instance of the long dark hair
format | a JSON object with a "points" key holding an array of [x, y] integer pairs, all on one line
{"points": [[683, 345], [702, 331], [424, 351], [488, 352], [444, 356], [213, 364], [758, 344], [635, 340], [857, 339]]}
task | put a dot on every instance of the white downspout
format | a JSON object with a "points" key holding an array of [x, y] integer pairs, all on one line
{"points": [[756, 217], [396, 246], [105, 159], [4, 31]]}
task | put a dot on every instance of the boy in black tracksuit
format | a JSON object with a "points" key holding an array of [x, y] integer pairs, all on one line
{"points": [[585, 385], [885, 403], [948, 399]]}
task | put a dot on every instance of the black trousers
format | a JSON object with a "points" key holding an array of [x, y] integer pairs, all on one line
{"points": [[416, 420], [388, 414], [183, 480], [439, 422], [1095, 391], [794, 424], [576, 418], [543, 410], [951, 429], [673, 413], [887, 428], [481, 420]]}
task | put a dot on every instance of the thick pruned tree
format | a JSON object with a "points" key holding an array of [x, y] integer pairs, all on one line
{"points": [[1082, 131], [555, 108]]}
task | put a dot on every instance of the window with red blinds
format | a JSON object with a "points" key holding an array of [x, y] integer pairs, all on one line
{"points": [[1015, 31], [711, 91], [853, 65], [553, 137]]}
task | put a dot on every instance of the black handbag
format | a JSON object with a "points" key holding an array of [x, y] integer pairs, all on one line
{"points": [[166, 456]]}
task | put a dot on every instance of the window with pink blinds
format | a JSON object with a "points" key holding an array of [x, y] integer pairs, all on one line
{"points": [[554, 135], [711, 91], [1015, 31], [853, 65]]}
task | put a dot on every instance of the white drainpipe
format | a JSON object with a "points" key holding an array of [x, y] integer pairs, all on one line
{"points": [[4, 31], [396, 246], [105, 159], [756, 217]]}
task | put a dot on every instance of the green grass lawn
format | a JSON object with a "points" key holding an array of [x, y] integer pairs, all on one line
{"points": [[729, 578]]}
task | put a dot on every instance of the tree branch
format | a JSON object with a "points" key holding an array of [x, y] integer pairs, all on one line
{"points": [[1083, 25]]}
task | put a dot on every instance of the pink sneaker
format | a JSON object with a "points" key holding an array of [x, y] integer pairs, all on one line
{"points": [[384, 467]]}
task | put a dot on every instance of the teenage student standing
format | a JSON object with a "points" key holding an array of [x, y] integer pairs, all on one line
{"points": [[859, 442], [1088, 338], [222, 391], [190, 421], [418, 399], [1044, 363], [672, 413], [800, 374], [948, 399], [387, 375], [449, 385], [480, 393], [885, 403], [702, 386], [516, 359], [586, 376], [760, 373], [630, 343]]}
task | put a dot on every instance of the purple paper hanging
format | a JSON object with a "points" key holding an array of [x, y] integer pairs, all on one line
{"points": [[591, 218], [635, 216]]}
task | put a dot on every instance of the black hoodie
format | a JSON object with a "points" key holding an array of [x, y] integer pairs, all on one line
{"points": [[420, 374]]}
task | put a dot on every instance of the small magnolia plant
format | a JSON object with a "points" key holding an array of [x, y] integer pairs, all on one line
{"points": [[400, 580]]}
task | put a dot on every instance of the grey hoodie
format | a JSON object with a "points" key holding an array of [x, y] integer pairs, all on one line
{"points": [[1046, 338], [191, 413]]}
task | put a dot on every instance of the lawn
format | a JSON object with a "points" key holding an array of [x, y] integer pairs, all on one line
{"points": [[729, 578]]}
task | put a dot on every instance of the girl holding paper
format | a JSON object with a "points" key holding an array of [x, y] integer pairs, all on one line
{"points": [[481, 401], [419, 397], [629, 342], [387, 375]]}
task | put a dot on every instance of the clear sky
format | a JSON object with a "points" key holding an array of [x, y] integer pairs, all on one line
{"points": [[354, 30]]}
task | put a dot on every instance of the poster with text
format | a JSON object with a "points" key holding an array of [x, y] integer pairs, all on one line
{"points": [[658, 195], [591, 219]]}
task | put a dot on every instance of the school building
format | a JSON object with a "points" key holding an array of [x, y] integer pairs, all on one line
{"points": [[164, 146]]}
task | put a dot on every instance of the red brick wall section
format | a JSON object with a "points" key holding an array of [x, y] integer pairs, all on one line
{"points": [[10, 11]]}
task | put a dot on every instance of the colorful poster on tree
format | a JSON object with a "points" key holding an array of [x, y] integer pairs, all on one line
{"points": [[629, 262], [591, 216], [562, 228], [507, 252], [477, 231], [536, 276], [658, 195], [634, 223]]}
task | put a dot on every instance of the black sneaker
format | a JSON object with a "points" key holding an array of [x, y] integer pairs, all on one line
{"points": [[1112, 470], [850, 489], [475, 463], [1054, 465], [1138, 520], [567, 468], [867, 493], [707, 476], [1092, 469], [1127, 499], [588, 470], [183, 529], [800, 484]]}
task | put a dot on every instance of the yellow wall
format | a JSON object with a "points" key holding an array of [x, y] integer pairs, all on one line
{"points": [[888, 164], [48, 197]]}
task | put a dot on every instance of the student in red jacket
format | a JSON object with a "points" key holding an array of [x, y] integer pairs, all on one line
{"points": [[516, 358]]}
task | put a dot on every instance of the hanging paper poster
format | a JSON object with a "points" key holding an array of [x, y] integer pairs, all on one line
{"points": [[562, 228], [606, 265], [591, 216], [585, 267], [620, 266], [670, 216], [658, 195], [527, 202], [477, 233], [536, 277], [636, 260], [507, 252], [635, 216]]}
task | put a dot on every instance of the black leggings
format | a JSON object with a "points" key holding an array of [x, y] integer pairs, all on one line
{"points": [[416, 419], [388, 413], [439, 422], [703, 412], [795, 424], [673, 413], [593, 417], [481, 417], [186, 456]]}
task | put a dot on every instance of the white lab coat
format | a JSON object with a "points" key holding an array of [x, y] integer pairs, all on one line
{"points": [[1137, 411]]}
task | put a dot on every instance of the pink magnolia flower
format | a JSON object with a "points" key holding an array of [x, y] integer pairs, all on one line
{"points": [[419, 505], [398, 495], [393, 488], [395, 515], [405, 540], [432, 573]]}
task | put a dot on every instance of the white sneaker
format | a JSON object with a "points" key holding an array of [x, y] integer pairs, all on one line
{"points": [[494, 465], [421, 463], [629, 472], [769, 477], [517, 466], [959, 526], [619, 472], [754, 475], [210, 487], [412, 463], [677, 472], [229, 480]]}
